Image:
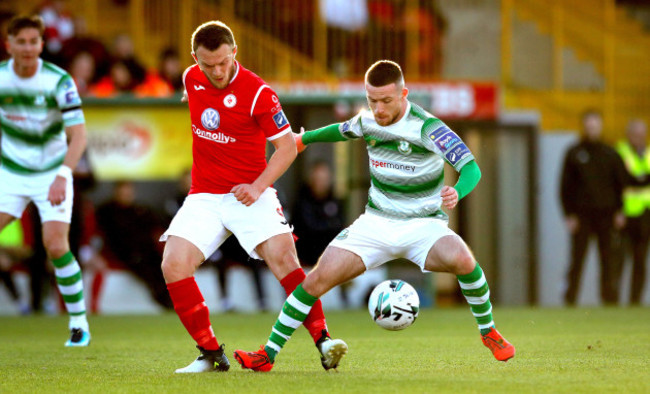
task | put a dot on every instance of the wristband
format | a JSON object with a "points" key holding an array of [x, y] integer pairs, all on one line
{"points": [[65, 171]]}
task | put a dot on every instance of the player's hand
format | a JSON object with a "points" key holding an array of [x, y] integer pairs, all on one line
{"points": [[246, 194], [184, 98], [56, 195], [449, 197], [572, 223], [299, 144]]}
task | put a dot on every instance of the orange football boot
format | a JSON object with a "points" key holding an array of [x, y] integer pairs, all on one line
{"points": [[501, 349], [257, 361]]}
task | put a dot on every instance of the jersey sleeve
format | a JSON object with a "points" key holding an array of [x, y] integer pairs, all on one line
{"points": [[440, 139], [351, 129], [69, 102], [267, 111]]}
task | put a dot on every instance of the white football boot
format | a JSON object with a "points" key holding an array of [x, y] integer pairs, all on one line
{"points": [[331, 350], [78, 338], [208, 361]]}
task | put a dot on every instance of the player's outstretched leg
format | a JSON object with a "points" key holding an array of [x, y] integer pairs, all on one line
{"points": [[477, 293], [70, 284], [293, 314], [315, 323], [195, 316]]}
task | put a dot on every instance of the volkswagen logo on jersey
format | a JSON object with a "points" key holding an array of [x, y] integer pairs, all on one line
{"points": [[210, 119]]}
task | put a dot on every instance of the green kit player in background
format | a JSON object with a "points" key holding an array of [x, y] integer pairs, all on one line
{"points": [[43, 138], [407, 148]]}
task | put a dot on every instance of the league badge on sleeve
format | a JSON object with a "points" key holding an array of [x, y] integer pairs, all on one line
{"points": [[457, 154], [280, 120]]}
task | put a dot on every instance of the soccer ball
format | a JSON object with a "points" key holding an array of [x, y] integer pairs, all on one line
{"points": [[394, 304]]}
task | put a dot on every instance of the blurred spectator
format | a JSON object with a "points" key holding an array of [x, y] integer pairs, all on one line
{"points": [[346, 23], [82, 70], [124, 53], [153, 86], [387, 28], [171, 70], [83, 42], [119, 81], [636, 202], [12, 251], [5, 17], [593, 178], [58, 28], [317, 216], [130, 235], [174, 203], [428, 25]]}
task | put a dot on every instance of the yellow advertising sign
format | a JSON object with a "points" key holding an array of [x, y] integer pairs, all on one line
{"points": [[139, 143]]}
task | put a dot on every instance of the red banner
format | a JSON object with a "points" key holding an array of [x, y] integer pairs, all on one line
{"points": [[449, 100]]}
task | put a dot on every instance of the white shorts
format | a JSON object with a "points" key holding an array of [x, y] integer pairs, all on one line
{"points": [[17, 190], [207, 220], [377, 239]]}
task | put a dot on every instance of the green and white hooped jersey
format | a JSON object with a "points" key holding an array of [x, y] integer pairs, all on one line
{"points": [[407, 161], [33, 115]]}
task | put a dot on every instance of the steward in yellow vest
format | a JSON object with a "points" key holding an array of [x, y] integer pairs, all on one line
{"points": [[636, 202]]}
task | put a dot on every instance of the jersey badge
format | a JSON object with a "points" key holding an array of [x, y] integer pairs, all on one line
{"points": [[447, 141], [280, 120], [343, 234], [345, 126], [404, 147], [71, 97], [230, 100], [210, 119], [199, 87]]}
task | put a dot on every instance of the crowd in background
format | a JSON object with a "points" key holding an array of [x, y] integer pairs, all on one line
{"points": [[98, 68]]}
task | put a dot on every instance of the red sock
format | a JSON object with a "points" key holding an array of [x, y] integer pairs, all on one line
{"points": [[315, 321], [191, 309]]}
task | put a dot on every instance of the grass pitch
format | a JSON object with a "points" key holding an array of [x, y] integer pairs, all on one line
{"points": [[558, 350]]}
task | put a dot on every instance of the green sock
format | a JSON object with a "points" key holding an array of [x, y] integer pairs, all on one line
{"points": [[477, 293], [293, 314], [68, 279]]}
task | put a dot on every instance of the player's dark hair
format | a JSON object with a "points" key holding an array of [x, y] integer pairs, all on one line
{"points": [[211, 35], [25, 22], [591, 112], [384, 72]]}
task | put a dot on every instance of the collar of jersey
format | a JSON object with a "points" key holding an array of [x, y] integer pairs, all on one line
{"points": [[236, 73], [10, 63]]}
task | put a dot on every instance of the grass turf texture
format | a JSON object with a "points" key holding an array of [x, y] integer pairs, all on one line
{"points": [[558, 350]]}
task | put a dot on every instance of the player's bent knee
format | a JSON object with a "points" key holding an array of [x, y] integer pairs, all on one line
{"points": [[175, 269], [464, 263], [56, 249]]}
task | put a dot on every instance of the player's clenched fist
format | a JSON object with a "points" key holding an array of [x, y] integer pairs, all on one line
{"points": [[246, 194], [449, 197], [298, 137]]}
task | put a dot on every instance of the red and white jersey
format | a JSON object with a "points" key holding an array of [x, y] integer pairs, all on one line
{"points": [[230, 128]]}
